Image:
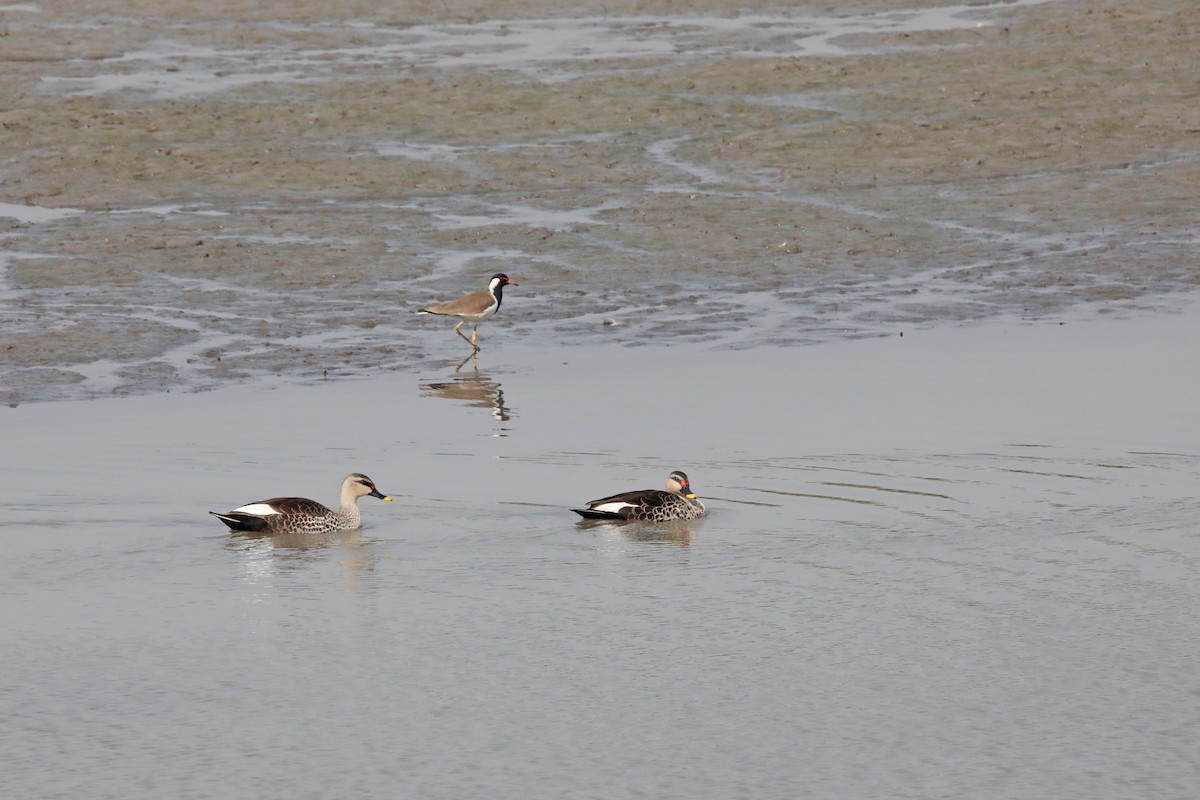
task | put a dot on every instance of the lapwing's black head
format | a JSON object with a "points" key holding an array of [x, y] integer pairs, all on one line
{"points": [[500, 279]]}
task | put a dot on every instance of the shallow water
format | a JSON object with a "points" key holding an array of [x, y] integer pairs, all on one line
{"points": [[958, 563]]}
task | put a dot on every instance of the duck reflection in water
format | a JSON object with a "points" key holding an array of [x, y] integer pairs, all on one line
{"points": [[267, 555], [676, 532], [246, 540], [475, 389]]}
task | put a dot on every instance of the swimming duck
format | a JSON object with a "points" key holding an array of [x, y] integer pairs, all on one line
{"points": [[301, 515], [651, 505]]}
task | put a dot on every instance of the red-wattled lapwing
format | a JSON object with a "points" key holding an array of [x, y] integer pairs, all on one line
{"points": [[301, 515], [474, 307], [650, 505]]}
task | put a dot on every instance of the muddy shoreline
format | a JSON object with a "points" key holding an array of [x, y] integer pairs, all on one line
{"points": [[244, 196]]}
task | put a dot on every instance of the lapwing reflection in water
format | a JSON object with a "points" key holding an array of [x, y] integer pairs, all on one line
{"points": [[476, 390]]}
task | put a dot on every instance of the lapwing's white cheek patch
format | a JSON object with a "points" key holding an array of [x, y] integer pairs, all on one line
{"points": [[258, 509], [612, 508]]}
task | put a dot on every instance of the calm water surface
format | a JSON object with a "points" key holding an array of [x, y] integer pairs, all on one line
{"points": [[961, 563]]}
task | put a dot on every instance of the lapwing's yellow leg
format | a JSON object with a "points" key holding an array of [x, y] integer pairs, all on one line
{"points": [[473, 330], [460, 333]]}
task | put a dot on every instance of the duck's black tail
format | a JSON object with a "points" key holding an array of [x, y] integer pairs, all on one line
{"points": [[588, 513], [242, 522]]}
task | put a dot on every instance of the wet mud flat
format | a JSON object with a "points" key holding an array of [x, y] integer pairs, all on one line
{"points": [[198, 194]]}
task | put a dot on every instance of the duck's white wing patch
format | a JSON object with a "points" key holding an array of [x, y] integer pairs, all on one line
{"points": [[257, 509], [612, 508]]}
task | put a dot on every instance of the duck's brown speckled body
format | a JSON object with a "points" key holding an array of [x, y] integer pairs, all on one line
{"points": [[301, 515], [649, 505]]}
